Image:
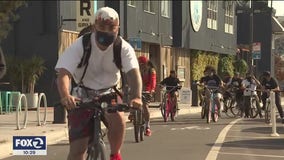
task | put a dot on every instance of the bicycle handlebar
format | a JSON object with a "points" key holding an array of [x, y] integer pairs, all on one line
{"points": [[173, 87], [104, 106]]}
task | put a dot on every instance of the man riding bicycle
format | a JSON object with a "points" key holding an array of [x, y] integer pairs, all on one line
{"points": [[234, 86], [100, 74], [148, 74], [270, 84], [212, 80], [249, 85], [170, 82]]}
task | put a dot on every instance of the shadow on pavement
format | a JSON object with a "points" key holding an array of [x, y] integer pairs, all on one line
{"points": [[264, 130], [269, 144]]}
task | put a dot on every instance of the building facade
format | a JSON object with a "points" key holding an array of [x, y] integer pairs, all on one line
{"points": [[167, 30]]}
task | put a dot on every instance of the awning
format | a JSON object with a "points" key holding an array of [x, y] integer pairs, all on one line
{"points": [[277, 28]]}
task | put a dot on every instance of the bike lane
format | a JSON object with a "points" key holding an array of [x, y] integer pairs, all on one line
{"points": [[248, 139]]}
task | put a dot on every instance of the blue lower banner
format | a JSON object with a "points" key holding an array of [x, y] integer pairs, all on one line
{"points": [[29, 145]]}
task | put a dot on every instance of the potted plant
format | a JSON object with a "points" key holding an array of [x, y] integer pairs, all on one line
{"points": [[32, 69]]}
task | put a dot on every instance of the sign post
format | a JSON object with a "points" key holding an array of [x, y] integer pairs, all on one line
{"points": [[256, 50], [85, 13]]}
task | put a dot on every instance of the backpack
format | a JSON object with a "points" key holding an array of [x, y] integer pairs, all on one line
{"points": [[87, 53]]}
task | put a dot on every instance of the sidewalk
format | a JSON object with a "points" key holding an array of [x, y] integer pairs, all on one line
{"points": [[53, 132]]}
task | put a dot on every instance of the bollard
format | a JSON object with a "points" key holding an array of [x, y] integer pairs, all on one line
{"points": [[59, 114], [273, 116]]}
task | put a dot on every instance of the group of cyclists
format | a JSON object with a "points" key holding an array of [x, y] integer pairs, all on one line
{"points": [[101, 74], [243, 88]]}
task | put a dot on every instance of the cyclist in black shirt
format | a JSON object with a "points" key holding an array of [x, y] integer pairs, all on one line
{"points": [[270, 84], [171, 81], [212, 80]]}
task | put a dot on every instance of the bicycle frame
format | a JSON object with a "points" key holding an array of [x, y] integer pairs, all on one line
{"points": [[167, 106], [212, 108], [96, 149]]}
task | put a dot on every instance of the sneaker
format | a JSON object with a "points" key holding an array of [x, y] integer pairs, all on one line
{"points": [[116, 157], [148, 132]]}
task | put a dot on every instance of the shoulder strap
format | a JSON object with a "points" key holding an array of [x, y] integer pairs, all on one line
{"points": [[117, 52], [87, 49], [86, 55], [117, 56]]}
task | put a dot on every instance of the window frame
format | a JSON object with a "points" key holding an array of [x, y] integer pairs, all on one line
{"points": [[167, 8], [229, 17], [131, 3], [212, 14], [150, 5]]}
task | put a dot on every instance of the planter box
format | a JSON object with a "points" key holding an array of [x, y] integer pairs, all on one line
{"points": [[32, 99]]}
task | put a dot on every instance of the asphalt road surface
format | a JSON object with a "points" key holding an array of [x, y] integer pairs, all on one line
{"points": [[191, 138]]}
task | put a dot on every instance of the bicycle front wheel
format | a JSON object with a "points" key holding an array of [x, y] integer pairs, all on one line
{"points": [[136, 133], [215, 114], [267, 113], [253, 111], [163, 108], [97, 152]]}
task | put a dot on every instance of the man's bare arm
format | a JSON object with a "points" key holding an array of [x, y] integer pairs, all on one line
{"points": [[63, 82], [135, 83]]}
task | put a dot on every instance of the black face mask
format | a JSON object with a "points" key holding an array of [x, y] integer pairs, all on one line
{"points": [[105, 38]]}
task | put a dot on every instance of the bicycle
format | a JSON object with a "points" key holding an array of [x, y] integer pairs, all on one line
{"points": [[167, 107], [253, 110], [139, 120], [96, 148], [212, 111], [231, 104]]}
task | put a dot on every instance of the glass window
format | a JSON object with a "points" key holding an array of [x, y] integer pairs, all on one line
{"points": [[165, 8], [229, 17], [148, 5], [131, 3], [212, 11]]}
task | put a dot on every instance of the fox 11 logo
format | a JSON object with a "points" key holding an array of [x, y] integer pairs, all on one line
{"points": [[29, 145]]}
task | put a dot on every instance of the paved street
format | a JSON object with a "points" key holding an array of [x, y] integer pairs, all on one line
{"points": [[190, 137]]}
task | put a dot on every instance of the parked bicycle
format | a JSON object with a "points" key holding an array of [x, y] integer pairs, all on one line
{"points": [[96, 148], [168, 107]]}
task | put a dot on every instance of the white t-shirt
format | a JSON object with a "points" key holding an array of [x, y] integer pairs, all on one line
{"points": [[101, 72], [250, 87]]}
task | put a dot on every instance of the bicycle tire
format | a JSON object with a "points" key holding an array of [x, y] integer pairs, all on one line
{"points": [[136, 133], [228, 105], [97, 152], [253, 111], [235, 108], [208, 114], [142, 130], [215, 113], [267, 114], [173, 113], [163, 108]]}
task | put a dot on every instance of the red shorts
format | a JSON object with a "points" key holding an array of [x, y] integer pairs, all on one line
{"points": [[80, 121]]}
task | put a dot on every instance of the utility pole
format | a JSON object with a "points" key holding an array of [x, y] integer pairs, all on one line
{"points": [[251, 37]]}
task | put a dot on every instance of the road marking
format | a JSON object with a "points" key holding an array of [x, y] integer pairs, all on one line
{"points": [[253, 155], [213, 153], [191, 127], [129, 128]]}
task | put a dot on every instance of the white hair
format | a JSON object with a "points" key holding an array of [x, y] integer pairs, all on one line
{"points": [[106, 13]]}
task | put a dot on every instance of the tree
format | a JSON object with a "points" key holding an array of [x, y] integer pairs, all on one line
{"points": [[8, 16]]}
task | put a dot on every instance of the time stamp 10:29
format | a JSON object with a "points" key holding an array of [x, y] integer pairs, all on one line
{"points": [[29, 145]]}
